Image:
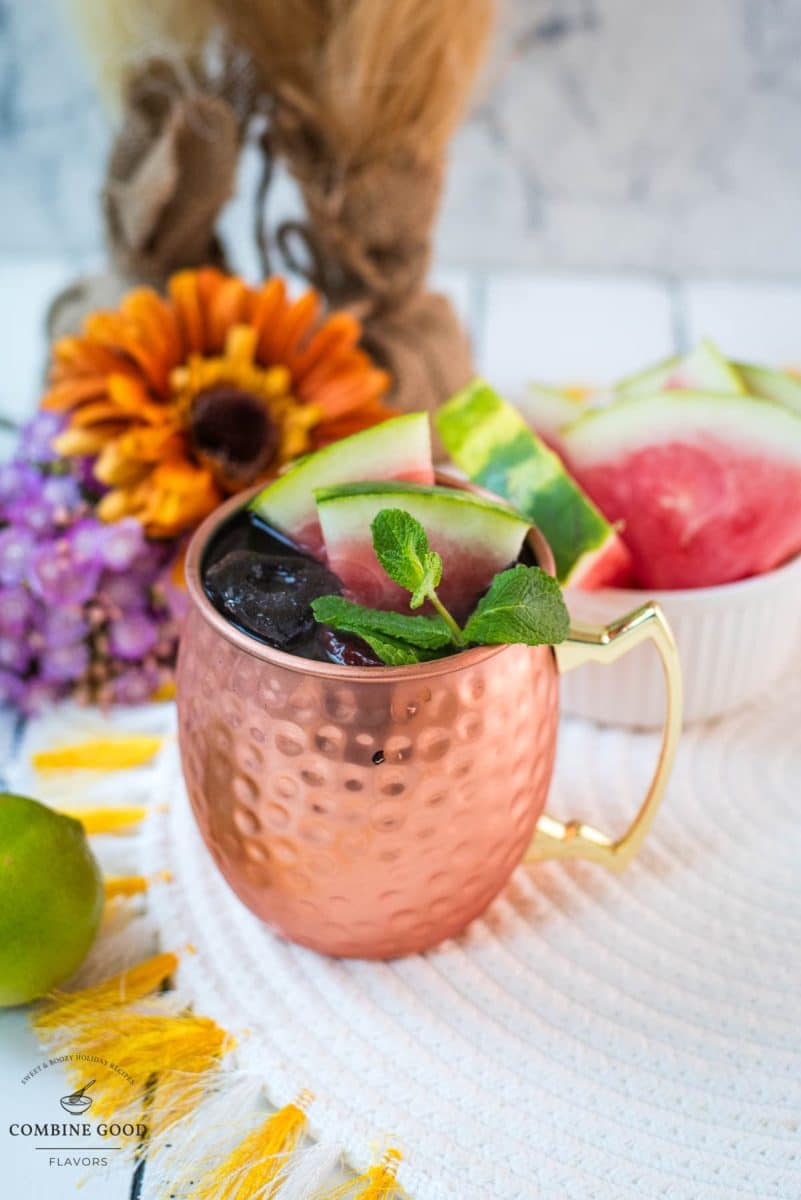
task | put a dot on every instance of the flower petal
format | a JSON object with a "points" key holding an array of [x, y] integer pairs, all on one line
{"points": [[183, 289], [71, 392]]}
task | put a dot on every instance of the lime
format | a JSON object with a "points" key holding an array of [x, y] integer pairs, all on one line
{"points": [[51, 898]]}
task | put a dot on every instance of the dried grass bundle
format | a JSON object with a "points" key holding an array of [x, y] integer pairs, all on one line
{"points": [[371, 76], [362, 95], [367, 93]]}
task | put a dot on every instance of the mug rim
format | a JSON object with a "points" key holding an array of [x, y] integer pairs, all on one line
{"points": [[244, 642]]}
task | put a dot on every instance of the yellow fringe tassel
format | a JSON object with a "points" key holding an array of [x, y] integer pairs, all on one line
{"points": [[163, 1059], [101, 754], [106, 820], [255, 1168], [377, 1183], [131, 885], [75, 1008]]}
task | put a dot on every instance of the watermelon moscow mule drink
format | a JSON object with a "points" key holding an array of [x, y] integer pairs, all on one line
{"points": [[368, 697]]}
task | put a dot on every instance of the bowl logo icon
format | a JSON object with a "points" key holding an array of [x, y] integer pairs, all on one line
{"points": [[77, 1102]]}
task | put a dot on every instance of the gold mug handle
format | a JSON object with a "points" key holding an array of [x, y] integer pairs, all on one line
{"points": [[604, 644]]}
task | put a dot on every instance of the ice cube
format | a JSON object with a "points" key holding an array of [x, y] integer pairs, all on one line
{"points": [[270, 595]]}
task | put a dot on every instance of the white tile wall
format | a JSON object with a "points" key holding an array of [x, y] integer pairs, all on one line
{"points": [[573, 328], [755, 321]]}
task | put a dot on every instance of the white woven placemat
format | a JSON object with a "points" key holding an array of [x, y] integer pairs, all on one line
{"points": [[592, 1036]]}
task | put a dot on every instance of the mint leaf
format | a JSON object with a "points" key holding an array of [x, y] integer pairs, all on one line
{"points": [[401, 546], [523, 604], [426, 633], [391, 652]]}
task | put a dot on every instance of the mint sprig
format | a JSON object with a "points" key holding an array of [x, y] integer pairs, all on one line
{"points": [[401, 546], [523, 605]]}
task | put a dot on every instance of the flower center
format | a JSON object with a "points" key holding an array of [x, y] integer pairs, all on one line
{"points": [[241, 417], [233, 430]]}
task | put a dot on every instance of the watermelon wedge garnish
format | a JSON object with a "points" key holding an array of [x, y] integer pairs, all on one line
{"points": [[703, 369], [475, 538], [489, 440], [396, 449], [707, 486]]}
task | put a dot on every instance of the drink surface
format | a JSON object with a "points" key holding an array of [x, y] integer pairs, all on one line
{"points": [[264, 585]]}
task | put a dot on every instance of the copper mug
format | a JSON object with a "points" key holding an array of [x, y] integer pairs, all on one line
{"points": [[372, 812]]}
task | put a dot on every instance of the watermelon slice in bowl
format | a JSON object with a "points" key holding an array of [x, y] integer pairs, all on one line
{"points": [[706, 487], [396, 449], [476, 537]]}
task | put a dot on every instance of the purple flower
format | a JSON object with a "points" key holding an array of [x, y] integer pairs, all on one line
{"points": [[86, 539], [132, 636], [36, 695], [17, 479], [65, 664], [125, 593], [62, 493], [59, 577], [16, 551], [31, 511], [63, 625], [122, 542], [81, 609], [36, 436], [151, 559], [16, 610], [11, 688], [135, 685], [15, 654], [84, 470]]}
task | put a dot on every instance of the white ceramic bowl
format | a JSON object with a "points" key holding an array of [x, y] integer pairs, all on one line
{"points": [[734, 642]]}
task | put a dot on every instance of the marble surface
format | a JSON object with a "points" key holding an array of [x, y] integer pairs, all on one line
{"points": [[608, 134]]}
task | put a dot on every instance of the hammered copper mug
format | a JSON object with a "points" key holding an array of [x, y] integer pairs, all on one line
{"points": [[374, 811]]}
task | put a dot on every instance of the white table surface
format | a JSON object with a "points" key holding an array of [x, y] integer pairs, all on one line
{"points": [[569, 327]]}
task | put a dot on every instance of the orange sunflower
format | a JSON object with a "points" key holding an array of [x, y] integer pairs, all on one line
{"points": [[183, 399]]}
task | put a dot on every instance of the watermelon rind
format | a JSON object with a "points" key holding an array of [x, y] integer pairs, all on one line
{"points": [[490, 441], [704, 369], [762, 425], [771, 384], [383, 450], [476, 515], [547, 409]]}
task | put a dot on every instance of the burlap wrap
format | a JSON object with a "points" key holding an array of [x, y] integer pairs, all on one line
{"points": [[368, 247], [366, 230], [170, 171]]}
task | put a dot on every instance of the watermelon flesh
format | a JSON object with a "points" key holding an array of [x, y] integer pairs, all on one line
{"points": [[474, 537], [396, 449], [707, 487]]}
